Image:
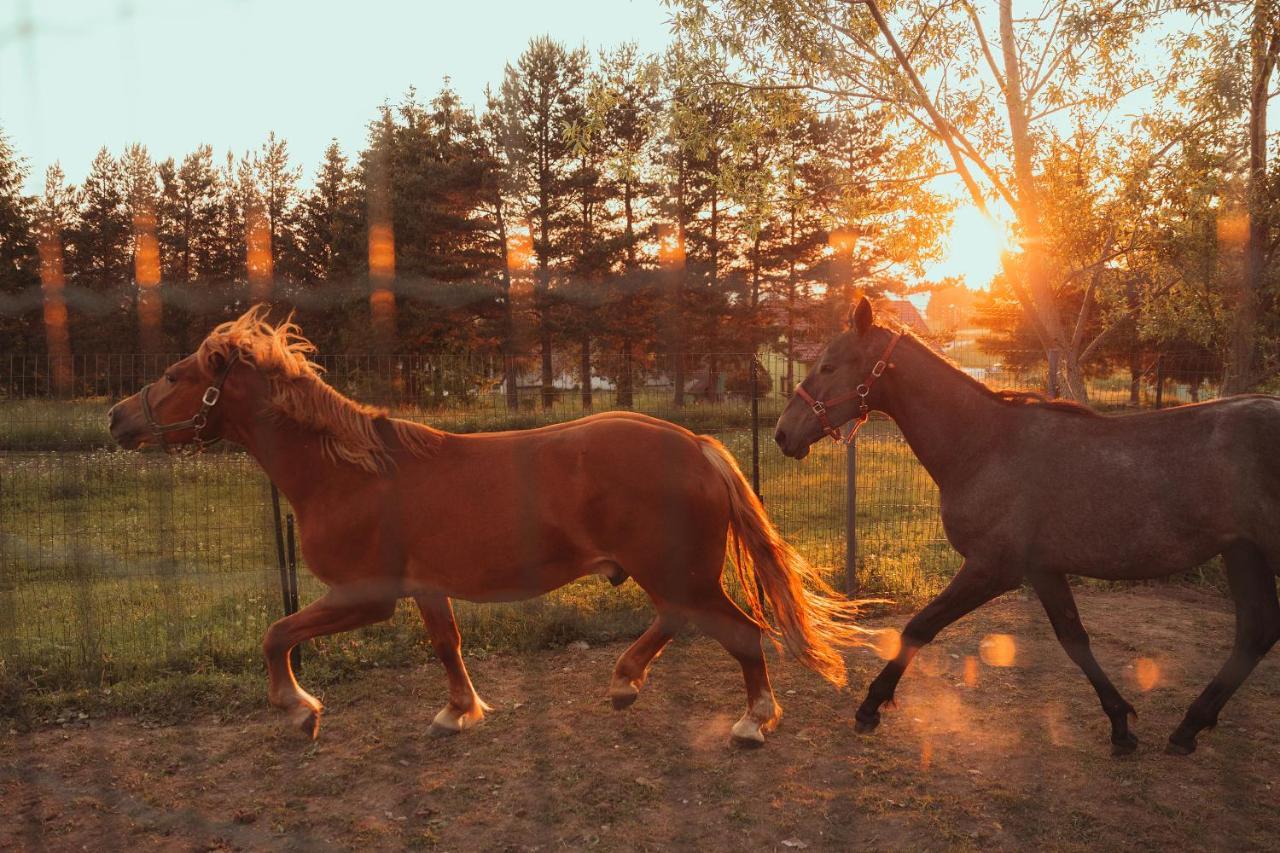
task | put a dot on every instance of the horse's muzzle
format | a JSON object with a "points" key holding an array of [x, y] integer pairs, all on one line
{"points": [[788, 445], [125, 425]]}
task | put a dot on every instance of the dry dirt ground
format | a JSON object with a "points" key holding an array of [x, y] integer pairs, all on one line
{"points": [[1009, 757]]}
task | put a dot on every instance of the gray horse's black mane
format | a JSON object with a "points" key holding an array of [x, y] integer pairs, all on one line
{"points": [[1004, 395]]}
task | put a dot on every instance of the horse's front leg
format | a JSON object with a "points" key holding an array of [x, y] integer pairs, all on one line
{"points": [[465, 708], [336, 611], [973, 586]]}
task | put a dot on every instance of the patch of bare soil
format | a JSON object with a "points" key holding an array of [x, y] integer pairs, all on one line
{"points": [[975, 756]]}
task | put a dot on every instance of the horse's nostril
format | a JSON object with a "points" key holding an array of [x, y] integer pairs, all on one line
{"points": [[779, 436]]}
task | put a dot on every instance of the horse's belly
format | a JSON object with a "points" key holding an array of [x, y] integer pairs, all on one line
{"points": [[500, 568]]}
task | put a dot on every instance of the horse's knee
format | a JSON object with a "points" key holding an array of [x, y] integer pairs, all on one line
{"points": [[275, 642]]}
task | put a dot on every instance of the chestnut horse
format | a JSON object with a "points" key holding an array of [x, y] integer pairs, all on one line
{"points": [[388, 508], [1036, 490]]}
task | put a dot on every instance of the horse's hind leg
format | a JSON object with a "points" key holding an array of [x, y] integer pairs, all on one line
{"points": [[337, 610], [465, 708], [1059, 604], [632, 668], [1253, 586], [719, 617]]}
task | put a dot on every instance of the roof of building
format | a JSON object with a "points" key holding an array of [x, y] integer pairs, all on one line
{"points": [[904, 312]]}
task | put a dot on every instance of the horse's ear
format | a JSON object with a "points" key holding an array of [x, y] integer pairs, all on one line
{"points": [[860, 316], [217, 361]]}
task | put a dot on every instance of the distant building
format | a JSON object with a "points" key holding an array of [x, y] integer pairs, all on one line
{"points": [[905, 312]]}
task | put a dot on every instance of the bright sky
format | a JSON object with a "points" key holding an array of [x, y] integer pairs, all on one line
{"points": [[173, 74]]}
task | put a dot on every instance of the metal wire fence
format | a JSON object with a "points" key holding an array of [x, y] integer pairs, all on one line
{"points": [[116, 566]]}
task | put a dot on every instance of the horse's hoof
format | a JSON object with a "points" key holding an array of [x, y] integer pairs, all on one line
{"points": [[866, 724], [1124, 746], [1174, 747], [747, 734], [306, 720], [623, 698], [436, 730]]}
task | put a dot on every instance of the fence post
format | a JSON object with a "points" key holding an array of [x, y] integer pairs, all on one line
{"points": [[278, 528], [295, 655], [1053, 374], [755, 430], [851, 517], [1159, 381]]}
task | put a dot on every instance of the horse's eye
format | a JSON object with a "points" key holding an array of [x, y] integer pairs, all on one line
{"points": [[170, 377], [826, 368]]}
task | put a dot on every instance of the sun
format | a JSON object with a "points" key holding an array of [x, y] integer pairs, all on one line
{"points": [[972, 248]]}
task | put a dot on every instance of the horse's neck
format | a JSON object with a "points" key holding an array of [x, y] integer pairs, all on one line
{"points": [[946, 419], [290, 455]]}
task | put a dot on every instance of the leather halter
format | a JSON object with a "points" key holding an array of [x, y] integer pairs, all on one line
{"points": [[196, 422], [821, 407]]}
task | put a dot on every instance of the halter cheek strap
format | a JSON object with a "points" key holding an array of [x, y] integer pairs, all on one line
{"points": [[820, 408], [196, 422]]}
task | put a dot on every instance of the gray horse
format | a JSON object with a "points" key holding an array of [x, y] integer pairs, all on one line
{"points": [[1034, 490]]}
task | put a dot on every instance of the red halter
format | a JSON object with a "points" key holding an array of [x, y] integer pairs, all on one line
{"points": [[821, 407]]}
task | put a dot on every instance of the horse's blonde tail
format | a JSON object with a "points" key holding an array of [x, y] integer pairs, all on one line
{"points": [[813, 620]]}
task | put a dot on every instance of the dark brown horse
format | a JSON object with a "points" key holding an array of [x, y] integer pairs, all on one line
{"points": [[389, 509], [1035, 491]]}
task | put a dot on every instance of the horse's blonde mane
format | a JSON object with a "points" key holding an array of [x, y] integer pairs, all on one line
{"points": [[298, 393]]}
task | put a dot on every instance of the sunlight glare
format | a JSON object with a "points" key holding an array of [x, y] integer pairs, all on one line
{"points": [[998, 650], [1148, 673], [52, 283], [888, 643], [970, 671], [973, 248]]}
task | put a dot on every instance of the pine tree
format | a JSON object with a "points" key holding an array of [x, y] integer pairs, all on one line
{"points": [[189, 204], [331, 223], [277, 192], [18, 262], [540, 99]]}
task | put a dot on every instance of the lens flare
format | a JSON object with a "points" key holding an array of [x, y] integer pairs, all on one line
{"points": [[57, 338], [670, 246], [382, 270], [146, 273], [1147, 672], [841, 240], [888, 643], [970, 671], [258, 252], [998, 650], [519, 252], [1233, 229]]}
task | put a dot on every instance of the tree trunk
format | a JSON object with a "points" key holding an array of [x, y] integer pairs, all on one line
{"points": [[585, 371], [548, 389], [1263, 48], [1039, 286], [626, 398], [510, 379], [1135, 377]]}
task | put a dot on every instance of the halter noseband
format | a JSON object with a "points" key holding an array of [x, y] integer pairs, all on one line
{"points": [[196, 422], [821, 407]]}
